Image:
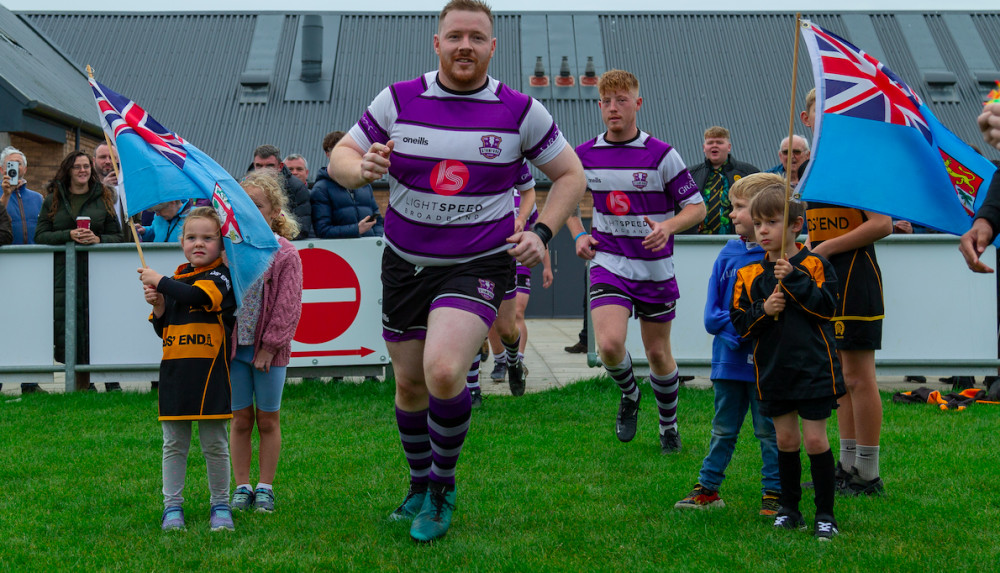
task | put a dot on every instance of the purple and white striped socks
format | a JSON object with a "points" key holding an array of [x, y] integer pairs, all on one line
{"points": [[665, 390], [472, 378], [623, 375], [512, 350], [447, 424], [416, 443]]}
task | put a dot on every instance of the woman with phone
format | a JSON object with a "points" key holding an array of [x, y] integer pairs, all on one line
{"points": [[79, 209], [340, 213]]}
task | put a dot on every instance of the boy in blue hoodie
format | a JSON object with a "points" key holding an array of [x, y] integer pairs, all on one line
{"points": [[732, 364]]}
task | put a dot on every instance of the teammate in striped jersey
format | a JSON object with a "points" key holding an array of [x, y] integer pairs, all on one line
{"points": [[637, 182]]}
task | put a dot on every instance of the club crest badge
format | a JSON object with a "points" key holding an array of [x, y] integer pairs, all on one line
{"points": [[486, 289], [491, 146], [965, 181], [639, 179], [230, 228]]}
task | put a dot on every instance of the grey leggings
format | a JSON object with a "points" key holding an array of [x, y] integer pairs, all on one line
{"points": [[214, 446]]}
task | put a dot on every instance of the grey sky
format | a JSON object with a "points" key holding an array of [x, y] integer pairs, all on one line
{"points": [[501, 5]]}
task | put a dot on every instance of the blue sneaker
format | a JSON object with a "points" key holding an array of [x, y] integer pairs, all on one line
{"points": [[434, 519], [412, 503], [243, 499], [263, 500], [221, 518], [173, 518]]}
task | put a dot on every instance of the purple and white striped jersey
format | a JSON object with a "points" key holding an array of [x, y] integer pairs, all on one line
{"points": [[644, 177], [525, 181], [454, 166]]}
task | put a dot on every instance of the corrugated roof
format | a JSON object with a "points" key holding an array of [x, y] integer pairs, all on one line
{"points": [[40, 77], [696, 70]]}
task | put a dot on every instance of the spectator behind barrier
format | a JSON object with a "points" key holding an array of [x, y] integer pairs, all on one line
{"points": [[714, 177], [76, 192], [168, 222], [269, 157], [21, 203], [340, 213], [800, 154], [299, 168], [6, 234], [105, 160], [18, 216]]}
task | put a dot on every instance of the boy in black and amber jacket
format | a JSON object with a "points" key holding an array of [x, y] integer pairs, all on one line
{"points": [[784, 304]]}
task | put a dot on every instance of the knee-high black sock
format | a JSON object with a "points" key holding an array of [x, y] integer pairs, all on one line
{"points": [[823, 478], [790, 473]]}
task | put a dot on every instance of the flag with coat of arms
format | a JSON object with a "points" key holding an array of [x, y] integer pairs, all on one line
{"points": [[878, 147], [158, 166]]}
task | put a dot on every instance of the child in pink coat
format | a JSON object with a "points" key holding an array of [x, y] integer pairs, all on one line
{"points": [[265, 325]]}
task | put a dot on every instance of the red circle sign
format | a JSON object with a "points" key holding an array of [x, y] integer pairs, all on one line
{"points": [[335, 296], [618, 203], [449, 177]]}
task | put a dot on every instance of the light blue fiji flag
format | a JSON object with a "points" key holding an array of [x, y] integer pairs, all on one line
{"points": [[879, 148], [158, 166]]}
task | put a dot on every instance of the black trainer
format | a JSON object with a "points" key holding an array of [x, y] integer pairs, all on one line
{"points": [[789, 520], [499, 371], [856, 486], [627, 419], [841, 477], [477, 397], [516, 375], [670, 441], [825, 528]]}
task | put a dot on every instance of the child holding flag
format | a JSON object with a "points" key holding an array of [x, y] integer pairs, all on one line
{"points": [[784, 303], [193, 314]]}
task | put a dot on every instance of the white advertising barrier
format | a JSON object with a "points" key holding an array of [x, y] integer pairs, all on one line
{"points": [[341, 308], [120, 331], [26, 292], [941, 318], [341, 321]]}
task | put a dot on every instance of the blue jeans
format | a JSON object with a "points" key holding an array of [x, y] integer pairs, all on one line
{"points": [[732, 400]]}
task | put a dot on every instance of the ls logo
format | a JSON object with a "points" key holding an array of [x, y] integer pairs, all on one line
{"points": [[618, 203], [449, 177]]}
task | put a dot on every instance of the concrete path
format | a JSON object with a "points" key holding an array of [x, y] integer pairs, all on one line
{"points": [[549, 365]]}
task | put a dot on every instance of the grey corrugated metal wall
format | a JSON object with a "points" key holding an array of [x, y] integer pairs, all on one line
{"points": [[696, 70]]}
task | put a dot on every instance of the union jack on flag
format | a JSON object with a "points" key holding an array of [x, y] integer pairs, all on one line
{"points": [[122, 115], [858, 85]]}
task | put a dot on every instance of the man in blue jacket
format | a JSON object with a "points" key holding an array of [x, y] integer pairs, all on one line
{"points": [[19, 207], [22, 203], [339, 213]]}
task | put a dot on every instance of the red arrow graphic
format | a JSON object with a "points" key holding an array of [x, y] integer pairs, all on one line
{"points": [[352, 352]]}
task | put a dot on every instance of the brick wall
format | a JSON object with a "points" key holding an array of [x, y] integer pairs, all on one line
{"points": [[44, 157]]}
